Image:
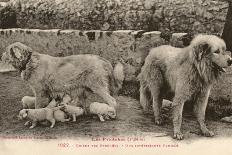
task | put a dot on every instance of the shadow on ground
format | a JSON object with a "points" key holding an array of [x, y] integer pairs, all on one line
{"points": [[130, 122]]}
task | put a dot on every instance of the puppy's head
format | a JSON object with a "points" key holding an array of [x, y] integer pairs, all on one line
{"points": [[66, 99], [23, 114], [211, 49], [17, 55], [111, 112]]}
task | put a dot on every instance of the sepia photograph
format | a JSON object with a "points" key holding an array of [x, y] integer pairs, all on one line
{"points": [[115, 76]]}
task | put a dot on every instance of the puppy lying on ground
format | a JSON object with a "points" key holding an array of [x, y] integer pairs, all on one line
{"points": [[36, 115], [28, 102], [102, 110], [183, 74]]}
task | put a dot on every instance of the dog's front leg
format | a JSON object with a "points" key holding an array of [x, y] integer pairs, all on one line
{"points": [[27, 123], [41, 99], [104, 93], [74, 117], [34, 123], [101, 117], [177, 120], [53, 121], [182, 94], [199, 110]]}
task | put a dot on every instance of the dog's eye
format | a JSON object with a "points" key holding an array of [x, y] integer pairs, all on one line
{"points": [[217, 51]]}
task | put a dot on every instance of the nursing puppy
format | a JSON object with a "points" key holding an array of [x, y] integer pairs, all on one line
{"points": [[183, 74], [29, 103], [37, 115], [59, 115], [102, 110], [73, 110], [52, 77]]}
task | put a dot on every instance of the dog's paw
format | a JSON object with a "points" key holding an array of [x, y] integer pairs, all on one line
{"points": [[106, 117], [31, 127], [27, 123], [102, 119], [158, 121], [208, 133], [67, 120], [178, 136]]}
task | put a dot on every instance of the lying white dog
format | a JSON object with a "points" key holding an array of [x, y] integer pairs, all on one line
{"points": [[102, 110], [28, 102], [36, 115]]}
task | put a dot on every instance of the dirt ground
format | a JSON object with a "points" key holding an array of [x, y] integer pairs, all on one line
{"points": [[130, 120]]}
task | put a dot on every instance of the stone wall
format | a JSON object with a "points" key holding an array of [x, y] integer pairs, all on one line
{"points": [[196, 16], [127, 46]]}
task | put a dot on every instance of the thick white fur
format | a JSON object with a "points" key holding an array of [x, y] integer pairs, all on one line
{"points": [[29, 103], [73, 110], [102, 110], [51, 77], [36, 115], [183, 74], [59, 115]]}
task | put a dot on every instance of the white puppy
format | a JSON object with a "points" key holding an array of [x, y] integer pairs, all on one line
{"points": [[59, 115], [73, 110], [28, 102], [102, 110], [36, 115]]}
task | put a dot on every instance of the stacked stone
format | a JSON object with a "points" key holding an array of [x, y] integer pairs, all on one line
{"points": [[206, 16]]}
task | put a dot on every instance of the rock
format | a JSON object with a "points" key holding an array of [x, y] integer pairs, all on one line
{"points": [[176, 39], [150, 15]]}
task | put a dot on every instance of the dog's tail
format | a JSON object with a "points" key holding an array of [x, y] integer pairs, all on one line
{"points": [[119, 72], [119, 75]]}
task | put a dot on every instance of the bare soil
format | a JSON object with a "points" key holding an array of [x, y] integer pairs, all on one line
{"points": [[130, 121]]}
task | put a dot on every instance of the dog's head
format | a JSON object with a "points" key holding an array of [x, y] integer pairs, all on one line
{"points": [[17, 55], [212, 50], [111, 112], [23, 114]]}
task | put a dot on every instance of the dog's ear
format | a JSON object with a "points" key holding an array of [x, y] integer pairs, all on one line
{"points": [[19, 51], [15, 52], [201, 50]]}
